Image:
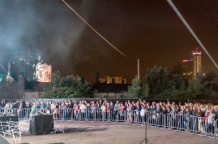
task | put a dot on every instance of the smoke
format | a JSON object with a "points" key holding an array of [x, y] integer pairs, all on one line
{"points": [[62, 39], [44, 26]]}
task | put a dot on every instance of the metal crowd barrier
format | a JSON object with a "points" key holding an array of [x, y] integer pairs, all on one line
{"points": [[178, 122]]}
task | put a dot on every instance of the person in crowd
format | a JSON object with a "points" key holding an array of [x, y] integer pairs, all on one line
{"points": [[111, 107], [215, 112], [82, 110], [210, 119], [2, 103], [142, 114], [56, 111], [88, 111], [47, 111], [159, 113], [187, 118], [100, 102], [129, 113], [103, 111], [19, 110], [63, 110], [173, 113], [42, 106], [116, 107], [27, 107], [193, 118], [196, 117], [138, 109], [52, 106], [98, 111], [48, 105], [200, 116], [34, 109], [107, 110], [76, 111], [93, 110], [8, 109], [121, 111]]}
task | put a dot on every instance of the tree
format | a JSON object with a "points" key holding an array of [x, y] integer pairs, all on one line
{"points": [[145, 91], [172, 84], [210, 76], [135, 88], [68, 87], [197, 88], [164, 84]]}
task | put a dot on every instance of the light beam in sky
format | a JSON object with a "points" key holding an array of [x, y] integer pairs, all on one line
{"points": [[3, 67], [93, 28], [191, 31]]}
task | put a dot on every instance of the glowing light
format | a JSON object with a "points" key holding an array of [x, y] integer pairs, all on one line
{"points": [[43, 72], [187, 60], [196, 53]]}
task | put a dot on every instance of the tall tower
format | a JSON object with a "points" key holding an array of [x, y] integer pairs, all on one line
{"points": [[197, 62]]}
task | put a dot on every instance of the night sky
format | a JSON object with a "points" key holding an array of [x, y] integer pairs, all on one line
{"points": [[148, 30]]}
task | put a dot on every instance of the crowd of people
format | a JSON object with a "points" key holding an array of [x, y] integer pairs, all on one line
{"points": [[195, 116]]}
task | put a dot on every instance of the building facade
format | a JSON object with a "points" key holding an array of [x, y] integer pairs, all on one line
{"points": [[43, 72], [113, 80], [197, 64], [188, 67]]}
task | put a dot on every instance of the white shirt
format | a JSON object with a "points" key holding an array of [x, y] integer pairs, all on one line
{"points": [[210, 118], [103, 108], [142, 112], [82, 108]]}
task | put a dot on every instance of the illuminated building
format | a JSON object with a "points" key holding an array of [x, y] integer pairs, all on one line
{"points": [[197, 62], [188, 67], [43, 72], [112, 80]]}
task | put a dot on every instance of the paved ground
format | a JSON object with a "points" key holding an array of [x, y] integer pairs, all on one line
{"points": [[113, 133]]}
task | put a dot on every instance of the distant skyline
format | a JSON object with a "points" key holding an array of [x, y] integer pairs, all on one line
{"points": [[147, 30]]}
